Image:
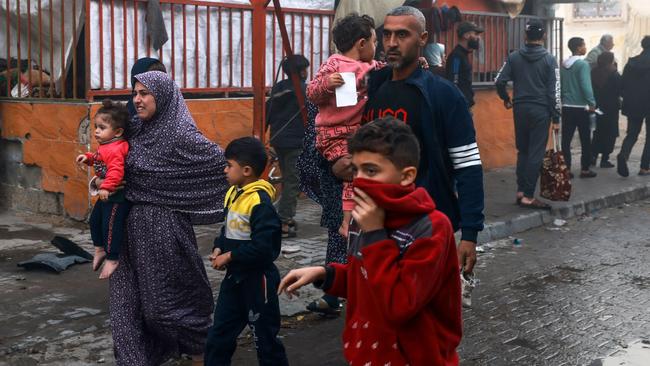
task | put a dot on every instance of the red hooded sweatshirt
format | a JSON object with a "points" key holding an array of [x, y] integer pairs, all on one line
{"points": [[402, 284]]}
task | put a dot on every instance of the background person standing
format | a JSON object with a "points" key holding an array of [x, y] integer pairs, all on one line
{"points": [[577, 103], [287, 133], [459, 66], [606, 83], [606, 44], [636, 106], [534, 74]]}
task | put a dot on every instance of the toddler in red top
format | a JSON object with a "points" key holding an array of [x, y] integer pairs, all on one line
{"points": [[108, 217], [354, 36], [401, 279]]}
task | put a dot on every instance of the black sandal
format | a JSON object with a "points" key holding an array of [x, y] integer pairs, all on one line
{"points": [[292, 228], [323, 307]]}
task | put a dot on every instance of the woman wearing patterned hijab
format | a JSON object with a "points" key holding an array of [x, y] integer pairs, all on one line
{"points": [[160, 297], [142, 65]]}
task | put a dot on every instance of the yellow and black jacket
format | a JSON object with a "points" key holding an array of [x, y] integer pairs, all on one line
{"points": [[252, 231]]}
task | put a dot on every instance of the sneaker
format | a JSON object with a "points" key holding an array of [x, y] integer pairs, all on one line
{"points": [[289, 229], [467, 284]]}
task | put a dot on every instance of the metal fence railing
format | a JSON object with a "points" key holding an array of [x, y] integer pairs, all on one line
{"points": [[209, 48], [502, 35], [39, 45], [83, 49], [76, 49]]}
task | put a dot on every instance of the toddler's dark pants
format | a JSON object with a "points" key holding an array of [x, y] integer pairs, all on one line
{"points": [[107, 226]]}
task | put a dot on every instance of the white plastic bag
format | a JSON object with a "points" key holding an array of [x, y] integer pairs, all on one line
{"points": [[24, 90]]}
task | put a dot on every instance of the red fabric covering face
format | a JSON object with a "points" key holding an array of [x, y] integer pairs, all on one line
{"points": [[401, 203], [403, 296]]}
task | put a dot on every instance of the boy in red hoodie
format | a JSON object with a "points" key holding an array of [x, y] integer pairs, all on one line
{"points": [[401, 279], [108, 217]]}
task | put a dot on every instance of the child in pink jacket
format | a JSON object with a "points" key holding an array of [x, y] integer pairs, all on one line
{"points": [[354, 36]]}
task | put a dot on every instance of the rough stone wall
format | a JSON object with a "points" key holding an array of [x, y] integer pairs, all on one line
{"points": [[20, 184], [39, 143]]}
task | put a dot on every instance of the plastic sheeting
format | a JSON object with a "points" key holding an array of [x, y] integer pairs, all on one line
{"points": [[376, 9], [46, 46], [513, 7], [110, 69]]}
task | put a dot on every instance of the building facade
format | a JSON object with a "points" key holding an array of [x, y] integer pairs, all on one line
{"points": [[628, 21]]}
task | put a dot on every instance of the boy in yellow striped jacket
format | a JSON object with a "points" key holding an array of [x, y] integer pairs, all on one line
{"points": [[249, 243]]}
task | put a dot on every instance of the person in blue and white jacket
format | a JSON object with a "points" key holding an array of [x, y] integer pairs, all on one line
{"points": [[450, 165]]}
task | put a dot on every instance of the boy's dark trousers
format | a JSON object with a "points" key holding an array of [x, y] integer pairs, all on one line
{"points": [[251, 301], [573, 118], [108, 224]]}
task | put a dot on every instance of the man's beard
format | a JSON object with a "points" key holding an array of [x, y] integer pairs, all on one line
{"points": [[402, 61]]}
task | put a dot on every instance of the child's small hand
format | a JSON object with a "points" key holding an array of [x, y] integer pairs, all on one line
{"points": [[300, 277], [423, 63], [103, 194], [334, 81], [366, 213], [215, 254], [81, 159], [221, 261]]}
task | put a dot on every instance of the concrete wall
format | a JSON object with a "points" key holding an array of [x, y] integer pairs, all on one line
{"points": [[494, 130], [40, 141]]}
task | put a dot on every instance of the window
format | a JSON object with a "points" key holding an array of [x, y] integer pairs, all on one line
{"points": [[604, 9]]}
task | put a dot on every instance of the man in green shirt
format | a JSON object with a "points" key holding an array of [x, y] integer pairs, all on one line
{"points": [[578, 103]]}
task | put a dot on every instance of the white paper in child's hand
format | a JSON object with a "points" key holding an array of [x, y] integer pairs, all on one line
{"points": [[346, 94]]}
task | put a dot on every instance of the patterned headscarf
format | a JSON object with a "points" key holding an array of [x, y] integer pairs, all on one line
{"points": [[140, 66], [170, 163]]}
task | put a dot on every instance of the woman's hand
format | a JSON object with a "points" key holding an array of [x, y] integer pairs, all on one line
{"points": [[342, 169], [103, 194], [220, 261], [97, 182]]}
